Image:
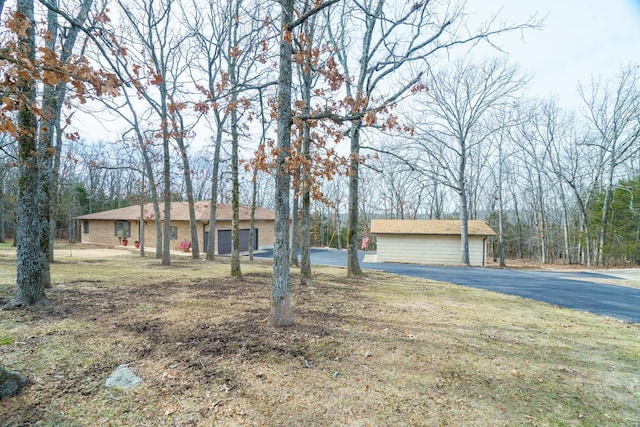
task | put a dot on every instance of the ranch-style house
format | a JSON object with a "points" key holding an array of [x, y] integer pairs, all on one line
{"points": [[116, 226]]}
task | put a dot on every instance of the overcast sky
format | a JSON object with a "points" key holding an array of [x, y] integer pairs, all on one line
{"points": [[580, 39]]}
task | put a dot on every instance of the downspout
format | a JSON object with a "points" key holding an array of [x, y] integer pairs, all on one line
{"points": [[204, 233], [484, 251]]}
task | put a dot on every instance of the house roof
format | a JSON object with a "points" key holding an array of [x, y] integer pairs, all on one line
{"points": [[436, 227], [180, 212]]}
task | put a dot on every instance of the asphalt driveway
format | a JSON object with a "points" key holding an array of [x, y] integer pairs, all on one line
{"points": [[570, 289]]}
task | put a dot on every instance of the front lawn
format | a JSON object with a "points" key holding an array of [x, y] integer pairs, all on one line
{"points": [[381, 350]]}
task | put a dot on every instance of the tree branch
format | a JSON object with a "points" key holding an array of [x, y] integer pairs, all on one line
{"points": [[308, 14]]}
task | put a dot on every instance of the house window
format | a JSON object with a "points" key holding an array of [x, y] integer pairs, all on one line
{"points": [[174, 233], [85, 226], [122, 229]]}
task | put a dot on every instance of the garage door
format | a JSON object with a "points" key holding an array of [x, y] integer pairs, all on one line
{"points": [[224, 240]]}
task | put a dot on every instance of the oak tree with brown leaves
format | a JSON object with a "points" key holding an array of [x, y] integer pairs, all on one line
{"points": [[26, 64]]}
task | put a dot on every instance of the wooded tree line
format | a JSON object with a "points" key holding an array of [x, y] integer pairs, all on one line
{"points": [[337, 111], [556, 184]]}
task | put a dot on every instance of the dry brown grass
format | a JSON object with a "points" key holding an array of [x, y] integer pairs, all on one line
{"points": [[382, 350]]}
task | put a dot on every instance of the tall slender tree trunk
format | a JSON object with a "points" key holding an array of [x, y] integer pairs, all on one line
{"points": [[501, 234], [464, 227], [3, 230], [281, 310], [353, 263], [30, 258], [193, 225], [53, 100], [50, 122], [141, 230], [542, 221], [295, 221], [565, 224], [304, 172], [254, 181], [464, 209], [235, 199], [155, 199], [500, 207], [606, 205], [519, 247], [305, 261], [211, 244], [166, 173], [252, 219], [235, 186]]}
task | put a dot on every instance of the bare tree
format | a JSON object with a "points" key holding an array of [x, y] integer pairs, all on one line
{"points": [[147, 29], [578, 163], [50, 138], [556, 133], [210, 27], [453, 130], [536, 130], [504, 148], [613, 110], [391, 59], [181, 131]]}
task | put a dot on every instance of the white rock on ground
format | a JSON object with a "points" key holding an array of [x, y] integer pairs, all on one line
{"points": [[123, 377]]}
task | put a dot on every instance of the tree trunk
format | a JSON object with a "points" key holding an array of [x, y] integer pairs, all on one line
{"points": [[337, 227], [193, 225], [519, 247], [252, 220], [30, 258], [542, 220], [45, 168], [2, 214], [53, 100], [254, 181], [501, 235], [166, 163], [211, 244], [565, 223], [464, 227], [500, 207], [281, 310], [235, 199], [305, 262], [235, 188], [305, 169], [606, 205], [154, 194], [353, 264], [295, 220], [142, 226], [464, 209]]}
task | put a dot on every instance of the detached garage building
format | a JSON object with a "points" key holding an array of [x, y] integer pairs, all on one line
{"points": [[429, 241], [113, 226]]}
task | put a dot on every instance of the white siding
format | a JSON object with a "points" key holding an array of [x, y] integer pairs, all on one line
{"points": [[477, 251], [427, 249]]}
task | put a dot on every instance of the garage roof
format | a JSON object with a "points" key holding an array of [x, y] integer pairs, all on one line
{"points": [[423, 226], [180, 212]]}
